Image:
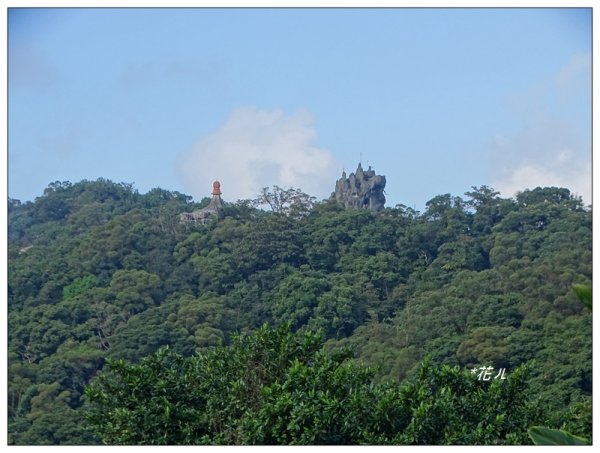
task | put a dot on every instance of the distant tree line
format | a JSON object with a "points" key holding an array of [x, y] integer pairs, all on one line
{"points": [[102, 278]]}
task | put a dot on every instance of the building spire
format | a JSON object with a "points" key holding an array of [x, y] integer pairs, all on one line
{"points": [[216, 188]]}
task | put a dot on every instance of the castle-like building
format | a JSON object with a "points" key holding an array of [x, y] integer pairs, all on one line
{"points": [[363, 190]]}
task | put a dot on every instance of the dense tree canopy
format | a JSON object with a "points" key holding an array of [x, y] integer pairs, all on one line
{"points": [[100, 274], [274, 387]]}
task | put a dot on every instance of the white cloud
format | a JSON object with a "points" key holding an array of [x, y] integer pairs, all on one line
{"points": [[257, 148], [545, 153], [576, 177], [553, 145]]}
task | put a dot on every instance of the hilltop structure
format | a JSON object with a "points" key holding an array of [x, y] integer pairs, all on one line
{"points": [[361, 190], [201, 216]]}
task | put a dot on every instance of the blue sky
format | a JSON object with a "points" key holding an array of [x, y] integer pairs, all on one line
{"points": [[437, 100]]}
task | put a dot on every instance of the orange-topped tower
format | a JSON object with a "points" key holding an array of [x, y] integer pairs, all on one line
{"points": [[216, 188], [216, 203], [201, 215]]}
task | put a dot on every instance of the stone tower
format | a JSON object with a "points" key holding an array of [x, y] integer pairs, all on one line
{"points": [[361, 190]]}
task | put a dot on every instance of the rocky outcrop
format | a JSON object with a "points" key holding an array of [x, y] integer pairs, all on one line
{"points": [[362, 190]]}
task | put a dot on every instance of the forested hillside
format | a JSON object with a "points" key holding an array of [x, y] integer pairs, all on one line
{"points": [[98, 271]]}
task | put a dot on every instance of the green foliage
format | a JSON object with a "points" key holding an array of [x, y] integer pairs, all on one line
{"points": [[546, 436], [98, 271], [585, 295], [274, 387], [451, 407], [578, 420], [487, 345], [79, 286], [286, 202], [167, 399]]}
